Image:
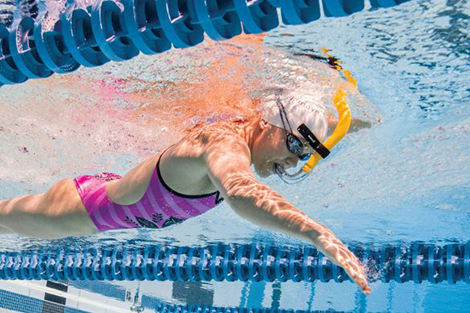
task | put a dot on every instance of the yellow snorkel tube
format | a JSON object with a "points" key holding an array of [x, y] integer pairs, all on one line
{"points": [[344, 117], [342, 128], [344, 121]]}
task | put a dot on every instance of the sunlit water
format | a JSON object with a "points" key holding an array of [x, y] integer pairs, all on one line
{"points": [[405, 179]]}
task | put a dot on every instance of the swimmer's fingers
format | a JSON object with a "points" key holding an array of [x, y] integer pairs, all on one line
{"points": [[356, 272], [338, 253]]}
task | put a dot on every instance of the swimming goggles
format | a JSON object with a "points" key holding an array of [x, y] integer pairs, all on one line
{"points": [[321, 150], [294, 144]]}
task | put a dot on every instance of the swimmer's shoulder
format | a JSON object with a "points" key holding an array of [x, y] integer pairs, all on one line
{"points": [[220, 133], [191, 150], [184, 166]]}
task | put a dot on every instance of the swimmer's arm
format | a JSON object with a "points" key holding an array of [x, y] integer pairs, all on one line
{"points": [[229, 170]]}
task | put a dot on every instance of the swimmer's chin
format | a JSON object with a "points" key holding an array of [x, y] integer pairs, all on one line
{"points": [[265, 171]]}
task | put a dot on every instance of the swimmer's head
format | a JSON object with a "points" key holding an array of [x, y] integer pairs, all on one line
{"points": [[297, 108]]}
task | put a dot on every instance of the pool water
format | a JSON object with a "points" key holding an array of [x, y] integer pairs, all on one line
{"points": [[405, 179]]}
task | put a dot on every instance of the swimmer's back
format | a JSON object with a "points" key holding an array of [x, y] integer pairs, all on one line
{"points": [[183, 166]]}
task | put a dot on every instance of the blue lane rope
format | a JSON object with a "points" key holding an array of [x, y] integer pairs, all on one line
{"points": [[163, 307], [108, 30], [417, 262]]}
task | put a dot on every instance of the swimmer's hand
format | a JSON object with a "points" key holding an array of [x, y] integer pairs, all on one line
{"points": [[339, 254], [356, 124]]}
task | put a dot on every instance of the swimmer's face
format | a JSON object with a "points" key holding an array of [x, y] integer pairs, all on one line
{"points": [[270, 148]]}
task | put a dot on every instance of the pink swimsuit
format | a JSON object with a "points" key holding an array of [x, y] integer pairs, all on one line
{"points": [[159, 207]]}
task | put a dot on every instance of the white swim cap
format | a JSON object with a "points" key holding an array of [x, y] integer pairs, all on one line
{"points": [[301, 108]]}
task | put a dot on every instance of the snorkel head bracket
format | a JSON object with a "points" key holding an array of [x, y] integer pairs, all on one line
{"points": [[312, 140]]}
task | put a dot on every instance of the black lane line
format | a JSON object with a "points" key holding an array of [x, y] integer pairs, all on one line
{"points": [[54, 303]]}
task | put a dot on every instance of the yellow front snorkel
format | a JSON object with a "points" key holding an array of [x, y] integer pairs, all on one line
{"points": [[342, 128], [344, 118]]}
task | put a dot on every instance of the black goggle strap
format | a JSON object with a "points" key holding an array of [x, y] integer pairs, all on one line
{"points": [[282, 112], [313, 141]]}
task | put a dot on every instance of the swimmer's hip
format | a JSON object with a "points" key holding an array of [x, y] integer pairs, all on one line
{"points": [[58, 213]]}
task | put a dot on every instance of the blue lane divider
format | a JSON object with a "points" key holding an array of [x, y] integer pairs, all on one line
{"points": [[78, 38], [298, 12], [164, 307], [336, 8], [417, 262], [26, 58], [109, 30], [386, 3]]}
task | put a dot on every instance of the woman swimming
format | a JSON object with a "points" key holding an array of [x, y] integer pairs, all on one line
{"points": [[209, 165]]}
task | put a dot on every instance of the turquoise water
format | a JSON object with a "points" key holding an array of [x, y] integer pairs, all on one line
{"points": [[405, 179]]}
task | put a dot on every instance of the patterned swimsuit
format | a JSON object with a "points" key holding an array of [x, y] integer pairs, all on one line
{"points": [[159, 207]]}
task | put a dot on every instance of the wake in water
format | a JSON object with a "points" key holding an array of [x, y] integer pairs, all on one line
{"points": [[120, 113]]}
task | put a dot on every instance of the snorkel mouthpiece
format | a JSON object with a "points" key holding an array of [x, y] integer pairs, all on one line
{"points": [[287, 177]]}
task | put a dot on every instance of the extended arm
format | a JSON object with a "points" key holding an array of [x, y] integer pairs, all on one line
{"points": [[229, 170]]}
